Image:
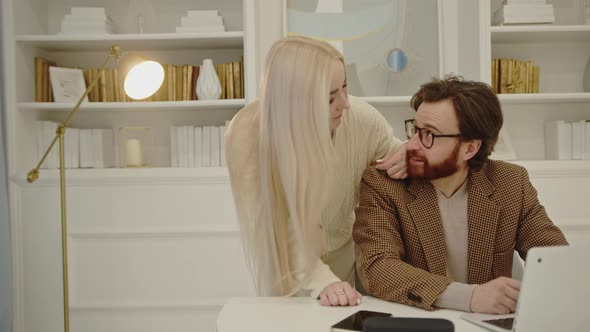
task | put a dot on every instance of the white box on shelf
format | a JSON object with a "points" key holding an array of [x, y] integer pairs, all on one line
{"points": [[200, 29], [199, 13], [187, 21], [88, 11]]}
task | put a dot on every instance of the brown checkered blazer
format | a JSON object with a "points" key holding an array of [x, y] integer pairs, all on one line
{"points": [[398, 234]]}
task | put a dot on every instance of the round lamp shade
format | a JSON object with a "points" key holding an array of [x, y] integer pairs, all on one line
{"points": [[144, 79]]}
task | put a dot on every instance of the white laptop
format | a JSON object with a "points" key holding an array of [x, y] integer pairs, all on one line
{"points": [[554, 295]]}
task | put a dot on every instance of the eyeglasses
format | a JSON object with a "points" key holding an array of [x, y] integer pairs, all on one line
{"points": [[425, 135]]}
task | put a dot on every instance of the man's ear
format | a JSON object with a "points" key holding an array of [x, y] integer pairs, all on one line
{"points": [[470, 149]]}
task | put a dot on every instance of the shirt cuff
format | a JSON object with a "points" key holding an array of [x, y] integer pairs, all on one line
{"points": [[456, 296], [322, 276]]}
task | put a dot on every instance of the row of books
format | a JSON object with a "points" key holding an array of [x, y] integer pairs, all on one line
{"points": [[515, 76], [197, 146], [567, 140], [84, 148], [179, 82]]}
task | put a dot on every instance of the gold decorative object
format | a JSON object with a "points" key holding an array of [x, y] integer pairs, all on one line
{"points": [[114, 53]]}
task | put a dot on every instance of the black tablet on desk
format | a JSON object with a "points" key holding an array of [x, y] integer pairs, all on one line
{"points": [[355, 321]]}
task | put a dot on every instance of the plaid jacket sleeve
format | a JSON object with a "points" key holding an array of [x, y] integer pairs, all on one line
{"points": [[380, 252]]}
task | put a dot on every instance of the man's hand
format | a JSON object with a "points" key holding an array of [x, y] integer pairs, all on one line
{"points": [[395, 163], [339, 294], [498, 296]]}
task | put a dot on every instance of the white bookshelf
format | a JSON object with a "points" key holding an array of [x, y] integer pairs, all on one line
{"points": [[156, 106], [540, 33], [128, 229], [133, 42], [561, 51], [544, 98]]}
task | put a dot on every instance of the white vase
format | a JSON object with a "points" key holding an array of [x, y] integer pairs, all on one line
{"points": [[208, 86]]}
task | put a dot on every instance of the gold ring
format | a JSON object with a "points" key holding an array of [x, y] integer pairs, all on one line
{"points": [[341, 291]]}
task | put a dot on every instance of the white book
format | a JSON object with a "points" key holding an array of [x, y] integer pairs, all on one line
{"points": [[88, 11], [524, 2], [108, 148], [187, 21], [519, 14], [181, 144], [96, 147], [200, 13], [173, 156], [87, 18], [200, 29], [222, 130], [207, 146], [558, 140], [198, 147], [190, 143], [526, 10], [587, 153], [86, 154], [72, 147], [578, 139], [215, 147], [52, 159]]}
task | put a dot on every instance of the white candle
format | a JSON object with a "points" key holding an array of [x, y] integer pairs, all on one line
{"points": [[133, 153]]}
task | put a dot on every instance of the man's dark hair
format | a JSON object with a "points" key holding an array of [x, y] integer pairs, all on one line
{"points": [[477, 108]]}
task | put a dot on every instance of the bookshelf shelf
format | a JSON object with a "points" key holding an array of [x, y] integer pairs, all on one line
{"points": [[123, 176], [556, 168], [388, 100], [195, 105], [537, 98], [132, 42], [540, 33]]}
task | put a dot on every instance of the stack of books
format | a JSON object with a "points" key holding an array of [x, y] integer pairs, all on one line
{"points": [[567, 140], [86, 20], [84, 148], [201, 21], [524, 12], [515, 76], [197, 146]]}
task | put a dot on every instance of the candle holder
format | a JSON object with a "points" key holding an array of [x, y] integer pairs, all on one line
{"points": [[136, 147]]}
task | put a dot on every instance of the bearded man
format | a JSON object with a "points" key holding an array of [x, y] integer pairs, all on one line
{"points": [[445, 237]]}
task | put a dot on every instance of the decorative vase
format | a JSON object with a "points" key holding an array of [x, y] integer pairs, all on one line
{"points": [[208, 86]]}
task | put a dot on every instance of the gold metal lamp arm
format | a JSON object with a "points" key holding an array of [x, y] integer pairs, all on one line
{"points": [[33, 175], [115, 52]]}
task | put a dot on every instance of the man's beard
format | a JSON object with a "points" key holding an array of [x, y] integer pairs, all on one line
{"points": [[427, 171]]}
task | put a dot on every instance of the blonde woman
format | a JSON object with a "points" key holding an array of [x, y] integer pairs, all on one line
{"points": [[295, 158]]}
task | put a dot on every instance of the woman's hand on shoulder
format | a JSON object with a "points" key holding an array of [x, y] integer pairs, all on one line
{"points": [[395, 163], [340, 293]]}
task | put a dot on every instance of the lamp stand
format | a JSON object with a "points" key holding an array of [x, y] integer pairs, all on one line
{"points": [[33, 175]]}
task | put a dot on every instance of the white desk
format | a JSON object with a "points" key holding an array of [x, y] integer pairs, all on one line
{"points": [[304, 314]]}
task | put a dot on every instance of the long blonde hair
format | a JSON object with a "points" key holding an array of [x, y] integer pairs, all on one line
{"points": [[296, 158]]}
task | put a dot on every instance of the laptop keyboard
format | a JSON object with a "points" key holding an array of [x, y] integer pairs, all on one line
{"points": [[505, 323]]}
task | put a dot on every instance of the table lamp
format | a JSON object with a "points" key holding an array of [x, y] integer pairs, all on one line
{"points": [[143, 80]]}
